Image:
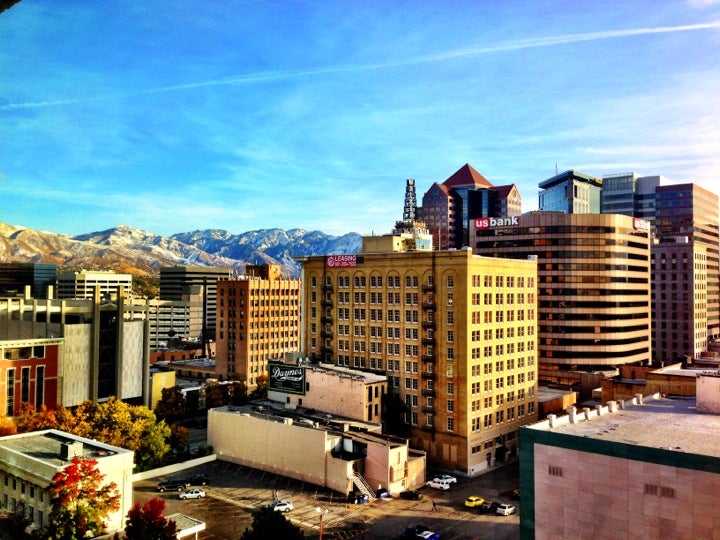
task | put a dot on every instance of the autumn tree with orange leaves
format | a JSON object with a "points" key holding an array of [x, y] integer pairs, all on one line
{"points": [[80, 503]]}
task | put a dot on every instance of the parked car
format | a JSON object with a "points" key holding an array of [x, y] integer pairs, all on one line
{"points": [[446, 478], [436, 484], [411, 495], [172, 485], [194, 493], [505, 509], [282, 506], [489, 507], [473, 500], [420, 531], [197, 480]]}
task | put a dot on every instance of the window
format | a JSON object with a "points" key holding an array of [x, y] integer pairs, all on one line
{"points": [[451, 424], [450, 405]]}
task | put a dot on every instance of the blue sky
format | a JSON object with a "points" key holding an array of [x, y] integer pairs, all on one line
{"points": [[175, 116]]}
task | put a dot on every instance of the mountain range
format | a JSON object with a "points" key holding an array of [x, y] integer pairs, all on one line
{"points": [[128, 250]]}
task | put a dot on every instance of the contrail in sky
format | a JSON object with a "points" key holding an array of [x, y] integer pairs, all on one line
{"points": [[531, 43]]}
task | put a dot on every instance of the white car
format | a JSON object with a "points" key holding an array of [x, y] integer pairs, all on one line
{"points": [[505, 509], [437, 484], [446, 478], [195, 493], [282, 506]]}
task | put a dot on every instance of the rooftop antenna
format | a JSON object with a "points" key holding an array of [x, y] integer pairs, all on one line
{"points": [[556, 168]]}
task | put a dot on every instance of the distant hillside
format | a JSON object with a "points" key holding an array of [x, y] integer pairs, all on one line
{"points": [[134, 251]]}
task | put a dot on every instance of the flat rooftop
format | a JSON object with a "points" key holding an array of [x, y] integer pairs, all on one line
{"points": [[46, 446], [659, 422]]}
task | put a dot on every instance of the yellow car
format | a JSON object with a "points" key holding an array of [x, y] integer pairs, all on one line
{"points": [[473, 500]]}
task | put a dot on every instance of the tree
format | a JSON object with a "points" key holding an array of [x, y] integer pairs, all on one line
{"points": [[216, 395], [261, 390], [238, 393], [14, 523], [172, 405], [7, 426], [268, 523], [179, 437], [147, 522], [80, 504], [31, 419]]}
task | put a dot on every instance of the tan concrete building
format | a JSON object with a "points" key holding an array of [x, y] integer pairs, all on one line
{"points": [[29, 461], [345, 392], [83, 284], [258, 320], [455, 334], [647, 467], [340, 454]]}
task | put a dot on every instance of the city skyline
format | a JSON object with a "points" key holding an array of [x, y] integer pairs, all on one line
{"points": [[241, 117]]}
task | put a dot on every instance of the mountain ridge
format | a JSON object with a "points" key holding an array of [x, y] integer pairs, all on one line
{"points": [[136, 251]]}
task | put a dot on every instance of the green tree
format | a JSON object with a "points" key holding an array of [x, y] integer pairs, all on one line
{"points": [[268, 523], [148, 522], [79, 501]]}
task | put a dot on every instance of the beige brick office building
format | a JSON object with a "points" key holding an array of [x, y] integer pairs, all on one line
{"points": [[258, 320], [454, 333]]}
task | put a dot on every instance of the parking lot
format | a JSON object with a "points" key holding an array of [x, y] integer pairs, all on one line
{"points": [[235, 491]]}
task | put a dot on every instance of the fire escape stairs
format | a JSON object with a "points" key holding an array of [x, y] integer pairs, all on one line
{"points": [[363, 486]]}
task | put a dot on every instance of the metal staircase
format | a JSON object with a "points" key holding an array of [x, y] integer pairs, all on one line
{"points": [[363, 486]]}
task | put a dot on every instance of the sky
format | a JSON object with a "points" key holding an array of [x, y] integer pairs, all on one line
{"points": [[241, 115]]}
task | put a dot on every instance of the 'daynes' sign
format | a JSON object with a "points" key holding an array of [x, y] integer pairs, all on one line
{"points": [[286, 378]]}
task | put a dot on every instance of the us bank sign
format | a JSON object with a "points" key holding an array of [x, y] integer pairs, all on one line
{"points": [[489, 222], [286, 378]]}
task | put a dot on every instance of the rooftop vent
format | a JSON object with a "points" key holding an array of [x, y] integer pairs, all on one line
{"points": [[69, 450]]}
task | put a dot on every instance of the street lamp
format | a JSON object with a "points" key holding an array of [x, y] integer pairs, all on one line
{"points": [[322, 513]]}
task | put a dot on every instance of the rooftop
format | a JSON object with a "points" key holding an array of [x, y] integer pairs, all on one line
{"points": [[47, 446], [671, 423]]}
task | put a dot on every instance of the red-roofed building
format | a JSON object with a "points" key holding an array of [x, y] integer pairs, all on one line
{"points": [[447, 208]]}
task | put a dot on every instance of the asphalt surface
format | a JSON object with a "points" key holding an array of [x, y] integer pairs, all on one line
{"points": [[235, 491]]}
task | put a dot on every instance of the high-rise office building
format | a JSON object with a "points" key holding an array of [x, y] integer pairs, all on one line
{"points": [[449, 207], [455, 334], [571, 192], [689, 213], [176, 283], [15, 276], [679, 300], [629, 194], [593, 285], [258, 321]]}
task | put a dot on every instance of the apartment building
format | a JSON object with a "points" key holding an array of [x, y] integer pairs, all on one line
{"points": [[258, 320], [593, 286], [455, 334]]}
